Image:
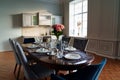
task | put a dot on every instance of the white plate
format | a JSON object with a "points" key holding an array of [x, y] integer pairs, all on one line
{"points": [[42, 50], [70, 49], [72, 56], [32, 46]]}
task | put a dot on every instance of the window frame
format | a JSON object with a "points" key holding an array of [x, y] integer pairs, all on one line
{"points": [[74, 34]]}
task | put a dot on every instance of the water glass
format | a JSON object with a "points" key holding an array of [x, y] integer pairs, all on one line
{"points": [[64, 45], [60, 54]]}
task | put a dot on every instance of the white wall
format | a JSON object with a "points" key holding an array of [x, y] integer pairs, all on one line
{"points": [[103, 27], [66, 17], [8, 8]]}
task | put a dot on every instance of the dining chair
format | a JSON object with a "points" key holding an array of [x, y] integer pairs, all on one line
{"points": [[90, 72], [71, 41], [18, 63], [28, 40], [17, 67], [35, 71]]}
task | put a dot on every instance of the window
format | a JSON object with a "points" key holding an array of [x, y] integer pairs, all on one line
{"points": [[78, 10]]}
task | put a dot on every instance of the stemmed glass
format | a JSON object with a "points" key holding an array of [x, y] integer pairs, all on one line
{"points": [[39, 40], [64, 45]]}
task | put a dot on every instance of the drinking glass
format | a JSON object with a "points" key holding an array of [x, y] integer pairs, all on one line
{"points": [[64, 45], [59, 54]]}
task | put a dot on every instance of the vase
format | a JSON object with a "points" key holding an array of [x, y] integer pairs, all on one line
{"points": [[58, 44]]}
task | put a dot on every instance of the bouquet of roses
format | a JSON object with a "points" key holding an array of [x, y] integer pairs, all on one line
{"points": [[58, 30]]}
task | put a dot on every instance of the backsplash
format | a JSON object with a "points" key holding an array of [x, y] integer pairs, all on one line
{"points": [[36, 31]]}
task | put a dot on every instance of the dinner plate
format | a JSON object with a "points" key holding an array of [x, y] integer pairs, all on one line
{"points": [[70, 49], [42, 50], [33, 46], [72, 56]]}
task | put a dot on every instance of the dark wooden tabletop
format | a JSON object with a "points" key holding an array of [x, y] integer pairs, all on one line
{"points": [[53, 62]]}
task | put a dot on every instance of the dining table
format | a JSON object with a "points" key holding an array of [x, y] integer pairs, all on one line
{"points": [[70, 60]]}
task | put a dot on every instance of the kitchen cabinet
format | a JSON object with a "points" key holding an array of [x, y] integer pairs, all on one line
{"points": [[45, 19], [29, 19], [40, 19]]}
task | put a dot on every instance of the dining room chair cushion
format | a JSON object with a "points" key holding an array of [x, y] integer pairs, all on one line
{"points": [[90, 72], [41, 70]]}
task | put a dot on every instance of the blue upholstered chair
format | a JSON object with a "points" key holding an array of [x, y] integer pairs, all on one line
{"points": [[34, 71], [90, 72], [18, 63], [17, 67], [28, 40]]}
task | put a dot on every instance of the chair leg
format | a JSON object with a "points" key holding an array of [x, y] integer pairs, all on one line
{"points": [[18, 72], [15, 68]]}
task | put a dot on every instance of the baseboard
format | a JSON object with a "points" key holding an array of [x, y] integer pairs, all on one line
{"points": [[6, 51]]}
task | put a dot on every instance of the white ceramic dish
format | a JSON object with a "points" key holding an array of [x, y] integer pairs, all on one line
{"points": [[41, 50], [32, 46], [70, 49], [72, 56]]}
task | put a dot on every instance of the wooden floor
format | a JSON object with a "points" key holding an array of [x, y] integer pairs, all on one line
{"points": [[111, 70]]}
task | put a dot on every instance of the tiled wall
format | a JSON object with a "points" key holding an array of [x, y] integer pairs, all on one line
{"points": [[36, 31]]}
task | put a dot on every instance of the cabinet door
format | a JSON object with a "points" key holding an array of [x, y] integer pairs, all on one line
{"points": [[45, 19], [29, 19], [56, 19]]}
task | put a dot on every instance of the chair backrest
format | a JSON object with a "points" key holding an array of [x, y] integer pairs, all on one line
{"points": [[71, 41], [29, 74], [80, 44], [92, 72], [12, 44], [100, 67], [28, 40]]}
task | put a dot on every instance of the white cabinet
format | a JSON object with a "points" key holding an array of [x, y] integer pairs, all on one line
{"points": [[29, 19], [56, 19], [40, 19], [45, 19]]}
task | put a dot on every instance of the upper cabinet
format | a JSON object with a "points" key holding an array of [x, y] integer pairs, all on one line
{"points": [[29, 19], [56, 19], [45, 19], [40, 19]]}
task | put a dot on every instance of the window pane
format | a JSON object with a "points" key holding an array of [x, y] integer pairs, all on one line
{"points": [[78, 20], [85, 6], [84, 16], [78, 8], [71, 9]]}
